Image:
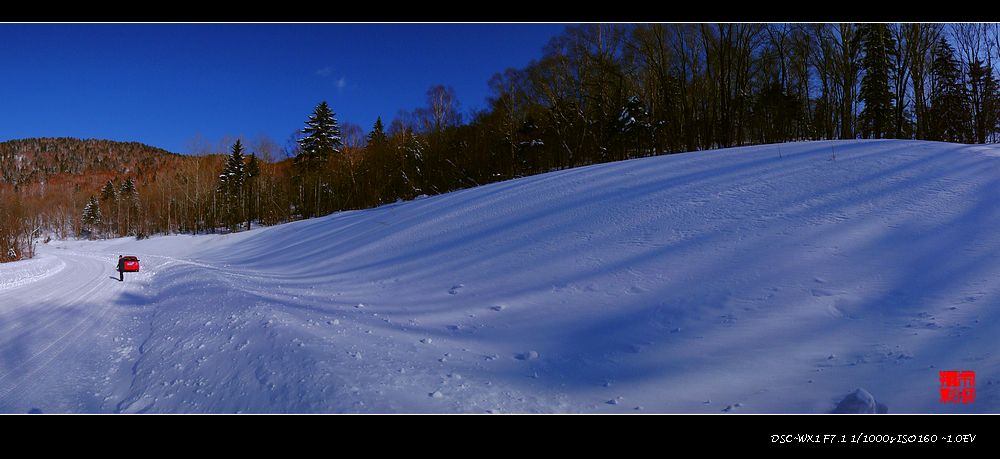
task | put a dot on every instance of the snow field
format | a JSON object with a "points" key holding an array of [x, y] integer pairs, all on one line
{"points": [[726, 281]]}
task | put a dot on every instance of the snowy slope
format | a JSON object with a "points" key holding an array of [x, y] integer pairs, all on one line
{"points": [[759, 279]]}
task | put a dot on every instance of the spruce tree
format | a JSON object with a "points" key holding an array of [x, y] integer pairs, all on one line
{"points": [[128, 191], [231, 178], [128, 195], [377, 135], [949, 111], [991, 105], [250, 187], [633, 128], [253, 167], [378, 165], [92, 217], [231, 181], [321, 140], [983, 99], [877, 115], [322, 136], [108, 192]]}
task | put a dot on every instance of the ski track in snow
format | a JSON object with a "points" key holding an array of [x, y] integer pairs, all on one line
{"points": [[733, 280]]}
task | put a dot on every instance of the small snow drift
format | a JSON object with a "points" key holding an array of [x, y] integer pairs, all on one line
{"points": [[860, 402], [736, 280]]}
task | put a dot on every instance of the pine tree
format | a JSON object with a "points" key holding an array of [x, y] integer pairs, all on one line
{"points": [[92, 214], [233, 173], [250, 186], [322, 136], [991, 105], [377, 165], [231, 183], [253, 167], [876, 117], [984, 100], [128, 195], [321, 140], [108, 192], [128, 191], [634, 127], [377, 135], [949, 111]]}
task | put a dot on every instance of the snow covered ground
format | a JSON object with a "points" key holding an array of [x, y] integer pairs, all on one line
{"points": [[766, 279]]}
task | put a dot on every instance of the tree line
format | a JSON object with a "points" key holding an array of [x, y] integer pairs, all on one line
{"points": [[598, 93], [613, 92]]}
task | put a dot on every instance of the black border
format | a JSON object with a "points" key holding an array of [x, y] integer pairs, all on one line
{"points": [[507, 11]]}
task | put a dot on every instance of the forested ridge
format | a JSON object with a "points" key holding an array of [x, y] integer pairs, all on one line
{"points": [[26, 161], [598, 93]]}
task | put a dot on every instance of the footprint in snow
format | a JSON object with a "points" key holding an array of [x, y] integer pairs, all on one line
{"points": [[530, 355], [455, 289], [498, 307]]}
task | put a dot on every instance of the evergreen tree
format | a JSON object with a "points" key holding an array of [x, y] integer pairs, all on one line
{"points": [[321, 139], [877, 116], [128, 191], [377, 136], [128, 195], [108, 192], [378, 165], [991, 105], [634, 128], [983, 97], [250, 186], [92, 217], [233, 173], [949, 111], [231, 182]]}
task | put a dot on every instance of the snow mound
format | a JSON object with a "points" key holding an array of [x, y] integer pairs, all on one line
{"points": [[13, 275], [860, 402]]}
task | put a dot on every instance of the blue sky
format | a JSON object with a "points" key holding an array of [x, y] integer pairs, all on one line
{"points": [[165, 84]]}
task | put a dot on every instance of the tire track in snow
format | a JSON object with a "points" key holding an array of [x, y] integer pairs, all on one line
{"points": [[37, 372]]}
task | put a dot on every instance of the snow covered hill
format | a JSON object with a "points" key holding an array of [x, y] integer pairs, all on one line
{"points": [[746, 280]]}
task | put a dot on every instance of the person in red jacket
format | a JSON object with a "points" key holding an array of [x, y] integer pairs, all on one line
{"points": [[121, 269]]}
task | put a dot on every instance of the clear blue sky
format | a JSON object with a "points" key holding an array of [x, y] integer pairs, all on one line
{"points": [[163, 84]]}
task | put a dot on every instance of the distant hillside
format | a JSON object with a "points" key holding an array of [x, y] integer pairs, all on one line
{"points": [[46, 183], [27, 161]]}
